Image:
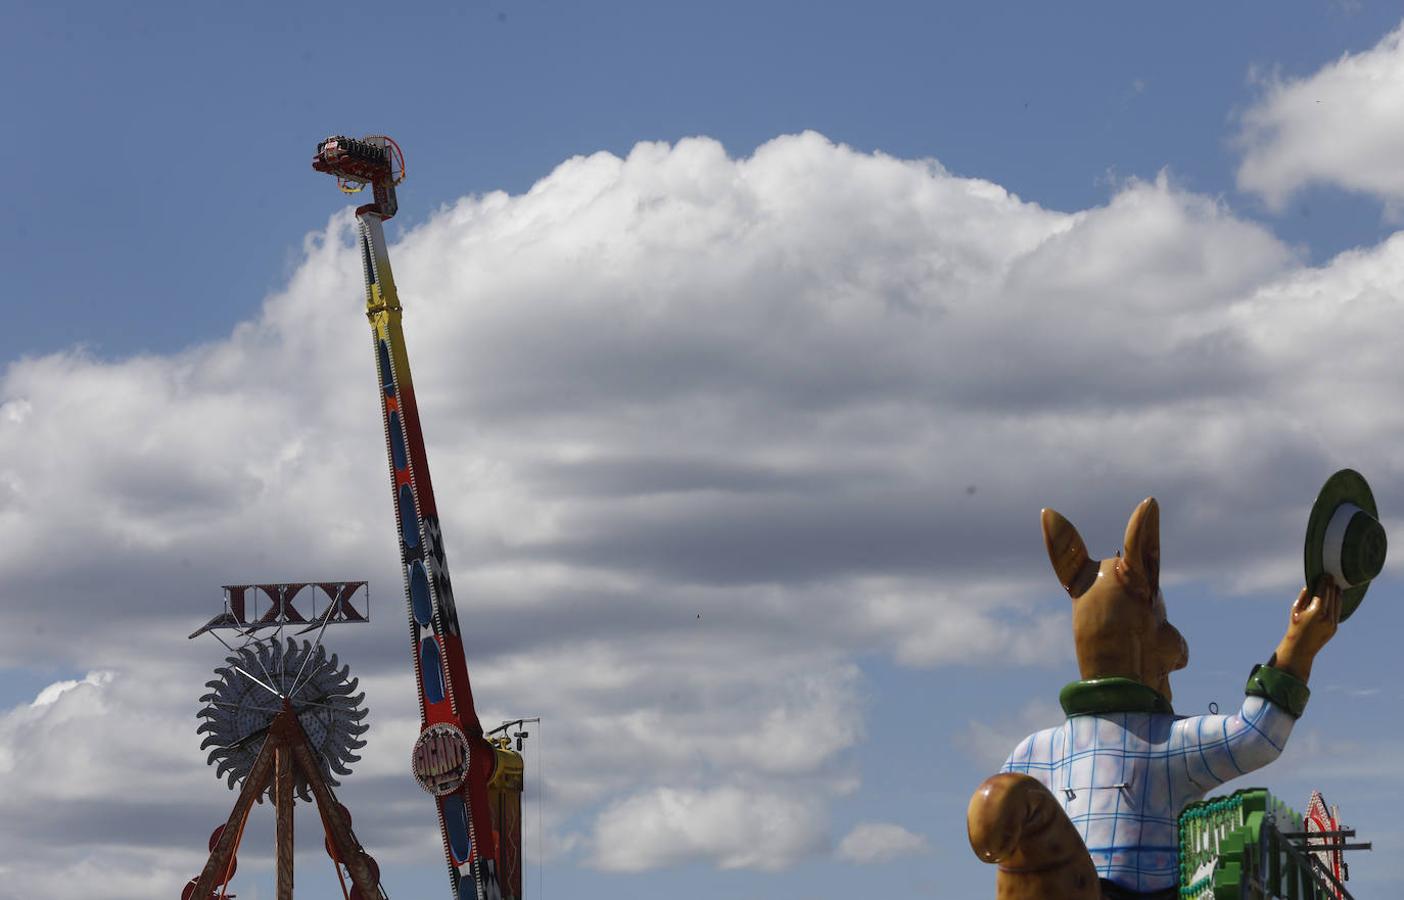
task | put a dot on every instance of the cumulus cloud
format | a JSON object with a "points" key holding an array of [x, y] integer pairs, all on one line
{"points": [[879, 842], [705, 433], [73, 805], [734, 828], [1342, 125]]}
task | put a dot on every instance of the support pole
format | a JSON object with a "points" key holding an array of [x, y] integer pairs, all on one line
{"points": [[218, 863], [338, 829], [283, 801]]}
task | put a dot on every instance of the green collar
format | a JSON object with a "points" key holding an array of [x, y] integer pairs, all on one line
{"points": [[1111, 695]]}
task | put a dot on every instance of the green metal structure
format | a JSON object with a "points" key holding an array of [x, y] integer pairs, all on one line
{"points": [[1250, 845]]}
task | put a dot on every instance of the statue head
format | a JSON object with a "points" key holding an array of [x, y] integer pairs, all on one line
{"points": [[1119, 623]]}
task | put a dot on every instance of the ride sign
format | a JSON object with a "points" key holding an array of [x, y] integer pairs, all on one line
{"points": [[440, 759]]}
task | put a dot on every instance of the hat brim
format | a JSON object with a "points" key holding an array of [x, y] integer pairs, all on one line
{"points": [[1346, 486]]}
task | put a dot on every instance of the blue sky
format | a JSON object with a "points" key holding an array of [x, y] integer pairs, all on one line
{"points": [[699, 329], [154, 145]]}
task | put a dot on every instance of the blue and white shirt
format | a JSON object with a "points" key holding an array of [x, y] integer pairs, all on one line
{"points": [[1124, 777]]}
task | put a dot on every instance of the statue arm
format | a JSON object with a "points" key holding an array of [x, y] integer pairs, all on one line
{"points": [[1210, 750]]}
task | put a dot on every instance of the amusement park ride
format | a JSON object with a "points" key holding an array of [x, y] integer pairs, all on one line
{"points": [[476, 783], [288, 731], [282, 718]]}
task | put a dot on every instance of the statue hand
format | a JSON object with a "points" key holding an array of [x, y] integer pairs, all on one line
{"points": [[1313, 623]]}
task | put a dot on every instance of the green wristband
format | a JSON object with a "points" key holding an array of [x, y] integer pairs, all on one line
{"points": [[1286, 691]]}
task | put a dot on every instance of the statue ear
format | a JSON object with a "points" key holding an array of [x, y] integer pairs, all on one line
{"points": [[1075, 569], [1143, 544]]}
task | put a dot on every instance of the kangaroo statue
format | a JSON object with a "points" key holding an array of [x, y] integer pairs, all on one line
{"points": [[1087, 810]]}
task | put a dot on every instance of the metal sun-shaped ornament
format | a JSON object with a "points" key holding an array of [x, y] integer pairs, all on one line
{"points": [[247, 693]]}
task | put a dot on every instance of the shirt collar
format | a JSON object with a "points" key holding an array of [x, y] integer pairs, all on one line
{"points": [[1111, 695]]}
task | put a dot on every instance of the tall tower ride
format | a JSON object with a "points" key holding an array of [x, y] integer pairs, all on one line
{"points": [[476, 783]]}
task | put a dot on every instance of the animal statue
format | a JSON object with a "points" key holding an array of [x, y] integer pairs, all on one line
{"points": [[1087, 810]]}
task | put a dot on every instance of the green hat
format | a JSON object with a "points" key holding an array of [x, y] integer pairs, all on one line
{"points": [[1344, 538]]}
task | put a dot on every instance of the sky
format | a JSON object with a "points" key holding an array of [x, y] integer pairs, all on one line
{"points": [[749, 341]]}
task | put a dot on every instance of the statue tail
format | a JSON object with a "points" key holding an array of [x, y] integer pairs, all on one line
{"points": [[1015, 822]]}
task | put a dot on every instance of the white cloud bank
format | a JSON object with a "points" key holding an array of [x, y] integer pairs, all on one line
{"points": [[1342, 125], [704, 430], [93, 779]]}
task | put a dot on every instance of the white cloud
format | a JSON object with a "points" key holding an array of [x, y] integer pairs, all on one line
{"points": [[879, 842], [53, 692], [1342, 125], [704, 433], [734, 828], [88, 772]]}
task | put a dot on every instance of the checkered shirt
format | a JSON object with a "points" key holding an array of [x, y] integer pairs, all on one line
{"points": [[1123, 778]]}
